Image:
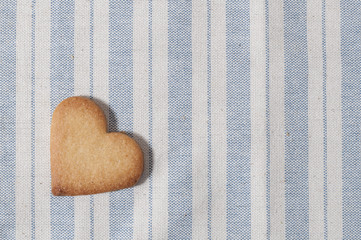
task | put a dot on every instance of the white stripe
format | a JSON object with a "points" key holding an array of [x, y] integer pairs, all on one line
{"points": [[160, 120], [23, 121], [101, 96], [258, 120], [81, 217], [277, 125], [199, 120], [219, 121], [82, 48], [315, 115], [42, 120], [334, 119], [140, 113], [81, 88]]}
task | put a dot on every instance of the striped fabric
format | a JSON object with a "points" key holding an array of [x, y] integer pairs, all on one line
{"points": [[248, 114]]}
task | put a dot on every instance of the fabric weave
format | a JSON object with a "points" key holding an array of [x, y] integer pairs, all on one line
{"points": [[248, 114]]}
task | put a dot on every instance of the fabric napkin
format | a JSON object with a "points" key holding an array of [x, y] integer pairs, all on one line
{"points": [[248, 113]]}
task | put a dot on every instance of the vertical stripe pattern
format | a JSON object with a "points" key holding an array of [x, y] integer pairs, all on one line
{"points": [[334, 119], [82, 88], [8, 111], [219, 120], [258, 120], [159, 172], [316, 115], [199, 119], [33, 119], [101, 96], [121, 106], [42, 119], [238, 120], [62, 86], [276, 102], [351, 118], [23, 186], [324, 102], [179, 119], [209, 124], [150, 115], [268, 145], [247, 113], [140, 113], [91, 76], [296, 120]]}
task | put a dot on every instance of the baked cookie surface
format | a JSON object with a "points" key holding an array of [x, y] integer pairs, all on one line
{"points": [[85, 158]]}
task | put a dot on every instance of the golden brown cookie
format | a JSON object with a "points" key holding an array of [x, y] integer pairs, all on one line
{"points": [[85, 159]]}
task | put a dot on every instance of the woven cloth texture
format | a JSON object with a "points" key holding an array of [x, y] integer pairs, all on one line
{"points": [[248, 113]]}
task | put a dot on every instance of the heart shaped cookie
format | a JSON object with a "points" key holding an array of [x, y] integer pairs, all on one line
{"points": [[85, 159]]}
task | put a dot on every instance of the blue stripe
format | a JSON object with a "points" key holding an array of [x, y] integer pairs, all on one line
{"points": [[91, 88], [209, 122], [91, 217], [268, 136], [33, 119], [121, 105], [324, 86], [179, 119], [8, 118], [62, 86], [296, 119], [238, 120], [150, 127], [91, 41], [351, 118]]}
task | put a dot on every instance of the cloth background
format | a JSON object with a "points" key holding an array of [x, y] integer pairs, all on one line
{"points": [[248, 113]]}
